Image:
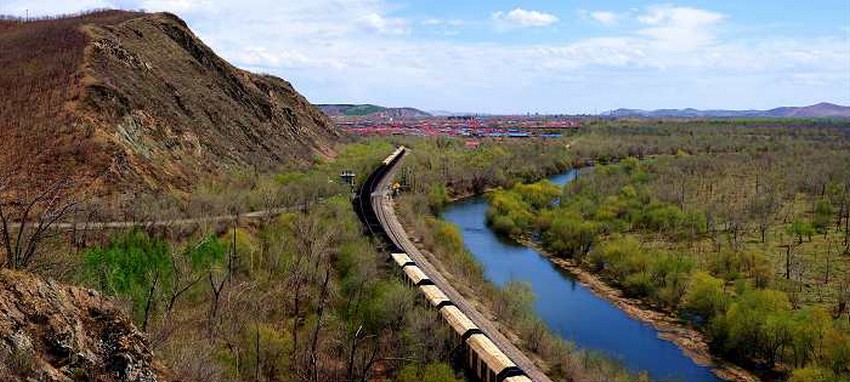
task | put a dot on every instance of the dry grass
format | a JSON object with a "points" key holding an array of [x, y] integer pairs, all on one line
{"points": [[40, 82], [124, 101]]}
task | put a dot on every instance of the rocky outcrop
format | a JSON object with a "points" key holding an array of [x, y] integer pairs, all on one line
{"points": [[52, 332]]}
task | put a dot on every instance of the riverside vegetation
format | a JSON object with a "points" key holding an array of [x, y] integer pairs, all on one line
{"points": [[438, 170], [744, 236], [303, 296]]}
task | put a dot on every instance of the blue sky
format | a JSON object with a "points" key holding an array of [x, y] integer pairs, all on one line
{"points": [[566, 56]]}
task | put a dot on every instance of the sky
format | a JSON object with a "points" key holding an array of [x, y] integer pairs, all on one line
{"points": [[546, 56]]}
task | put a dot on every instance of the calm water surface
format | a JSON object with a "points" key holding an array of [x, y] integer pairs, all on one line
{"points": [[570, 309]]}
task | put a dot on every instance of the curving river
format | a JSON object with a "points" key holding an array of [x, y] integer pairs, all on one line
{"points": [[567, 307]]}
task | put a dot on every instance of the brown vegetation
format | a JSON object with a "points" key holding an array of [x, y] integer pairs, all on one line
{"points": [[129, 101]]}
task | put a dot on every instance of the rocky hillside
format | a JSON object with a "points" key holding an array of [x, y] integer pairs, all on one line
{"points": [[122, 100], [50, 332]]}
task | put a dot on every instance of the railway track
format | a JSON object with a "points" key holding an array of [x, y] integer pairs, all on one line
{"points": [[377, 213]]}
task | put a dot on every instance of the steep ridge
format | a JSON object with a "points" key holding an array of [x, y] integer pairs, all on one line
{"points": [[51, 332], [122, 101]]}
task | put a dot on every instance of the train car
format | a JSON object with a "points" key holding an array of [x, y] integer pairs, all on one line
{"points": [[416, 277], [483, 357], [487, 362], [460, 323], [401, 259], [435, 296], [393, 156]]}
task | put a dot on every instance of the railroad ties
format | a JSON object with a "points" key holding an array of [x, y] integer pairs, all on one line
{"points": [[481, 356]]}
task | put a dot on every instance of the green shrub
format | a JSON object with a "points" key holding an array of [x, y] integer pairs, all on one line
{"points": [[706, 296], [639, 284], [812, 374], [570, 236], [434, 372], [130, 266]]}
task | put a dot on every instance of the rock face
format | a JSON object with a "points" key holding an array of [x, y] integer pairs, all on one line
{"points": [[121, 100], [51, 332]]}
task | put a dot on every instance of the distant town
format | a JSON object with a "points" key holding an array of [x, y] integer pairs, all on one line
{"points": [[374, 120], [517, 127]]}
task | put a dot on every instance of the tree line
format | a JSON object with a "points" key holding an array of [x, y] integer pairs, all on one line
{"points": [[748, 244]]}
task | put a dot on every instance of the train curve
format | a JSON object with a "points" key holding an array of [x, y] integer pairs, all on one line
{"points": [[490, 355]]}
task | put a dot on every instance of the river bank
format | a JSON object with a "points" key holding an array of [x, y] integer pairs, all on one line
{"points": [[596, 327], [692, 342], [568, 309], [544, 348]]}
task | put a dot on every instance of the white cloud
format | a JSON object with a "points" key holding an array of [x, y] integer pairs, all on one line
{"points": [[446, 22], [525, 18], [262, 57], [358, 51], [607, 18], [680, 27], [174, 6], [376, 22], [49, 7]]}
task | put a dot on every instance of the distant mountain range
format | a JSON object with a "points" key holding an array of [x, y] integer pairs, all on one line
{"points": [[369, 110], [821, 110]]}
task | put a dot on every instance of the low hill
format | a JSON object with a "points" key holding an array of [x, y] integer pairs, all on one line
{"points": [[821, 110], [374, 111], [124, 101], [51, 332]]}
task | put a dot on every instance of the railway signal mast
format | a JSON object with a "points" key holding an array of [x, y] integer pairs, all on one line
{"points": [[348, 177]]}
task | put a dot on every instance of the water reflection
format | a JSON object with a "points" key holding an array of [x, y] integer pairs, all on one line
{"points": [[567, 307]]}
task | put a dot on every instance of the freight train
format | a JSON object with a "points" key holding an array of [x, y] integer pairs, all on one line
{"points": [[486, 361]]}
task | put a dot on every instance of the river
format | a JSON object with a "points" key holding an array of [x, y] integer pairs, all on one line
{"points": [[567, 307]]}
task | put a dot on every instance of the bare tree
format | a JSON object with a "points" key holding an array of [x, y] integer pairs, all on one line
{"points": [[150, 301], [762, 208], [843, 297], [217, 287], [320, 312], [182, 276], [25, 223]]}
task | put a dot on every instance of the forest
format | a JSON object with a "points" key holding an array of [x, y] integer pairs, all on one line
{"points": [[744, 236], [667, 213], [298, 294]]}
